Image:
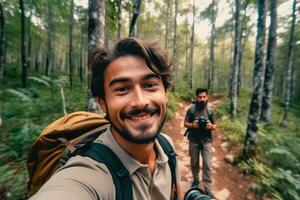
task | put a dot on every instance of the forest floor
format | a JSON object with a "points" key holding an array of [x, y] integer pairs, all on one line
{"points": [[228, 183]]}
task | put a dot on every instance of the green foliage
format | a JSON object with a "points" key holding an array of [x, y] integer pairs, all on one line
{"points": [[276, 166], [25, 113]]}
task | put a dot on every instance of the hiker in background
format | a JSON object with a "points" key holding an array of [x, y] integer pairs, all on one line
{"points": [[200, 122], [130, 81]]}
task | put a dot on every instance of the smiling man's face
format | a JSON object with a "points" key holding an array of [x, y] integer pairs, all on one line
{"points": [[135, 99]]}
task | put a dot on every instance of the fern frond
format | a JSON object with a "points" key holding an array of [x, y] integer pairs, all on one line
{"points": [[39, 80], [17, 93]]}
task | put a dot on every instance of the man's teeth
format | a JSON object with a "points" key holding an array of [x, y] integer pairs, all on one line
{"points": [[140, 117]]}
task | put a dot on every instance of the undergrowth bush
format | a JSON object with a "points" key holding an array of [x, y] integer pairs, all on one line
{"points": [[276, 166], [25, 113]]}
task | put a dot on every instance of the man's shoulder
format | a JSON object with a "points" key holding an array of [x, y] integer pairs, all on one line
{"points": [[191, 108], [81, 177], [210, 109]]}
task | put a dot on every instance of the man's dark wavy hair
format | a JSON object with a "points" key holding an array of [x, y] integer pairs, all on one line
{"points": [[200, 90], [155, 57]]}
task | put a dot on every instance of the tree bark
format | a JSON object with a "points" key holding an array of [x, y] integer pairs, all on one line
{"points": [[136, 12], [253, 116], [37, 57], [212, 45], [81, 56], [119, 18], [236, 57], [167, 25], [49, 39], [175, 73], [23, 46], [1, 54], [288, 76], [29, 37], [71, 64], [96, 34], [1, 43], [270, 66], [192, 49]]}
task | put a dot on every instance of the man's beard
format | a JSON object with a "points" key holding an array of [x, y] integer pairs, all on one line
{"points": [[200, 105], [144, 136]]}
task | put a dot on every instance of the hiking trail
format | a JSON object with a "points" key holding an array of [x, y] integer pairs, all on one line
{"points": [[228, 183]]}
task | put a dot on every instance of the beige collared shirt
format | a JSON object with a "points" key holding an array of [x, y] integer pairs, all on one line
{"points": [[85, 179]]}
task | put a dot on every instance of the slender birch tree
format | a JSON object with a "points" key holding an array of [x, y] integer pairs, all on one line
{"points": [[235, 65], [289, 75], [270, 65], [1, 43], [23, 46], [119, 4], [192, 49], [1, 54], [253, 116], [175, 67], [213, 16], [167, 23], [136, 12], [71, 64], [49, 39]]}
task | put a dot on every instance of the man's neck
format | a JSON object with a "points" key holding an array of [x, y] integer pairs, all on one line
{"points": [[144, 153]]}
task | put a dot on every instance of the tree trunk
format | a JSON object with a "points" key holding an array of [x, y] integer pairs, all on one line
{"points": [[1, 53], [270, 65], [23, 46], [96, 34], [119, 18], [236, 57], [243, 29], [192, 49], [288, 76], [212, 45], [37, 57], [1, 43], [175, 73], [71, 64], [49, 39], [29, 37], [253, 116], [136, 12], [167, 25], [81, 56], [187, 49]]}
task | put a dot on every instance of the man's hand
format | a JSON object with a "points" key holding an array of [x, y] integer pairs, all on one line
{"points": [[210, 126], [195, 124]]}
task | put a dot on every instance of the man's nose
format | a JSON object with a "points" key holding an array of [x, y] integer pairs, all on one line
{"points": [[139, 99]]}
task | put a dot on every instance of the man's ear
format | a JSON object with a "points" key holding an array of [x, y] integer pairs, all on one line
{"points": [[102, 104]]}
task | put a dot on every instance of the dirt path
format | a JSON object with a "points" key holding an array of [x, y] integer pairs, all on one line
{"points": [[227, 181]]}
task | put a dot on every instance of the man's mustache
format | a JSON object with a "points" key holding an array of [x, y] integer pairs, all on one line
{"points": [[149, 109]]}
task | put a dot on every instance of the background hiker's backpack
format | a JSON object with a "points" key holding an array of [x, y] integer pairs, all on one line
{"points": [[74, 134]]}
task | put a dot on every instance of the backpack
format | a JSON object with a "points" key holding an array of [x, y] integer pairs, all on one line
{"points": [[73, 135]]}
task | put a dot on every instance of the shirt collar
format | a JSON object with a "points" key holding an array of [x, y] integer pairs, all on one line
{"points": [[128, 161]]}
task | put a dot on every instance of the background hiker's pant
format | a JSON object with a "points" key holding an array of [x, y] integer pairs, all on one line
{"points": [[206, 153]]}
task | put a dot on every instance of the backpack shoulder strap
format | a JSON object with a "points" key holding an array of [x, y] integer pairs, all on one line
{"points": [[209, 112], [193, 110], [120, 175], [169, 150]]}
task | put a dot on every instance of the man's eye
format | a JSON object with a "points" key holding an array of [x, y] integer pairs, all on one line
{"points": [[150, 85], [121, 90]]}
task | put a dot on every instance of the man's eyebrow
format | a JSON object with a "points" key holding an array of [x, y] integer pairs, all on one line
{"points": [[147, 76], [125, 79], [118, 80]]}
